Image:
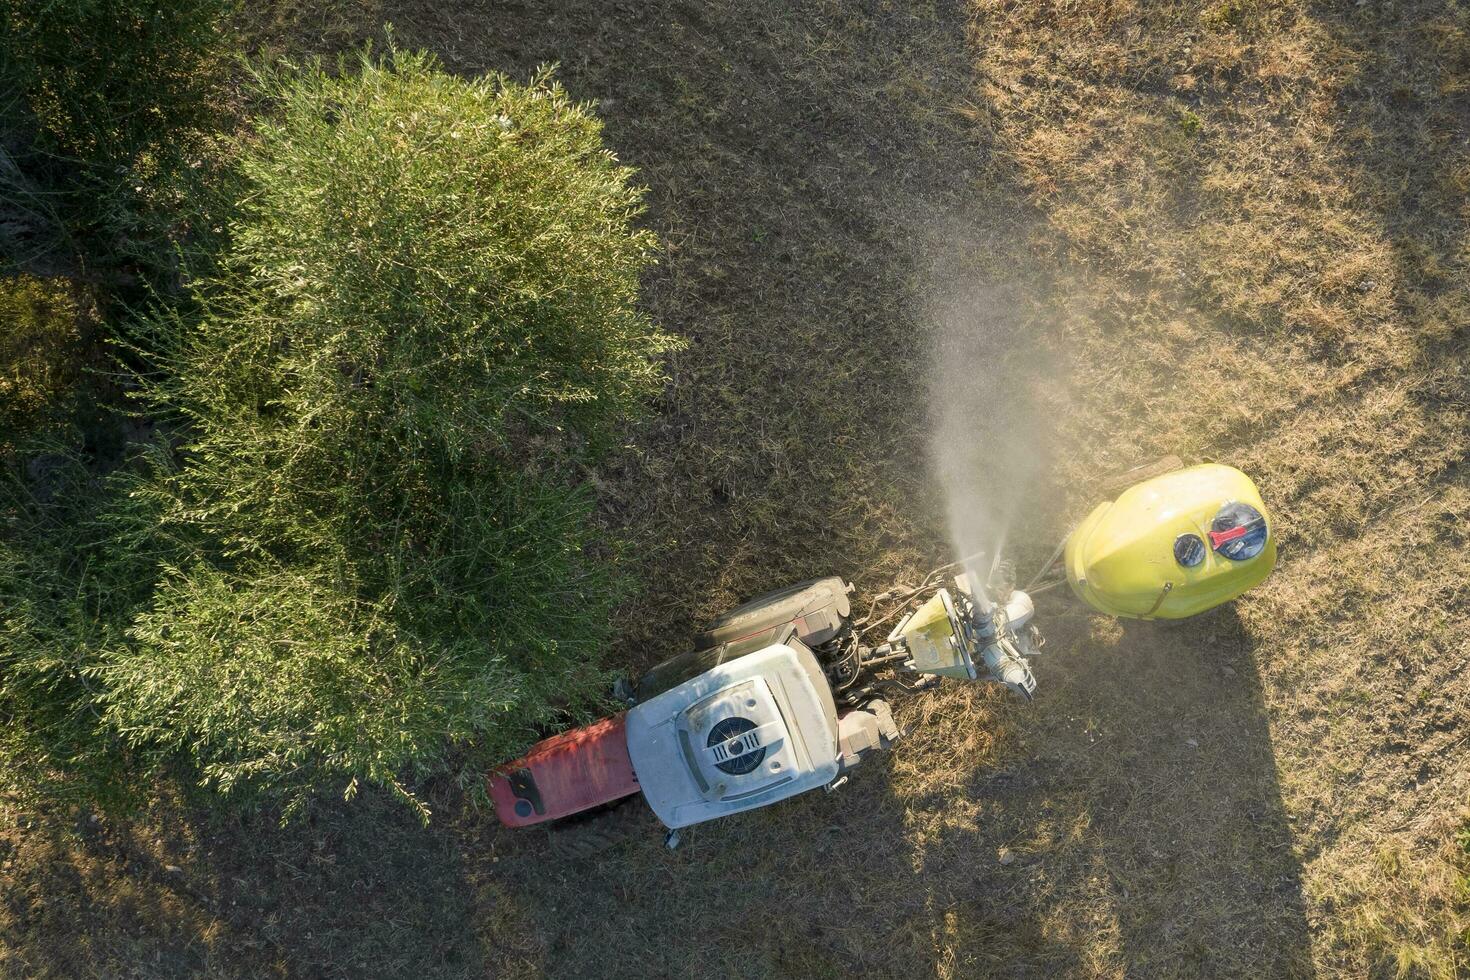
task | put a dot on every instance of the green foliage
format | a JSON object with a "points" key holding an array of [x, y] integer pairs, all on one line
{"points": [[398, 655], [1231, 13], [423, 324], [109, 80], [40, 352], [112, 101], [76, 562], [361, 551], [406, 230]]}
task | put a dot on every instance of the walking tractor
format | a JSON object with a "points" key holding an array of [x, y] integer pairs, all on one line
{"points": [[789, 692]]}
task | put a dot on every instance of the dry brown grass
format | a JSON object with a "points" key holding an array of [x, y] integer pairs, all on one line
{"points": [[1235, 231]]}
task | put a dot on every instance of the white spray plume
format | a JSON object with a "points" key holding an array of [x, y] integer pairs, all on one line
{"points": [[986, 434]]}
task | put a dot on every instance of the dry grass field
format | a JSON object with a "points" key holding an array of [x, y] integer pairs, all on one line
{"points": [[1236, 231]]}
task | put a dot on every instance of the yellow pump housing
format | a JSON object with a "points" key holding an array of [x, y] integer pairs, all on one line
{"points": [[934, 644], [1160, 550]]}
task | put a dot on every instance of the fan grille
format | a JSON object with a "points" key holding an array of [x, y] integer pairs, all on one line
{"points": [[744, 755]]}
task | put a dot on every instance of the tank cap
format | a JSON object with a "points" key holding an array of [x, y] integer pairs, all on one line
{"points": [[1189, 550], [1238, 532]]}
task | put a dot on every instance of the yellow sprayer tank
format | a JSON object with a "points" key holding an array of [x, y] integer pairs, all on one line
{"points": [[1173, 546]]}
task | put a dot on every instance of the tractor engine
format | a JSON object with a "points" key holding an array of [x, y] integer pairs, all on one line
{"points": [[748, 733]]}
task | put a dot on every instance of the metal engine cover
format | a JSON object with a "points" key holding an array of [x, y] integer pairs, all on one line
{"points": [[742, 735]]}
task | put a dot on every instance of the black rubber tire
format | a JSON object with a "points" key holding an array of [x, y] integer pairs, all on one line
{"points": [[776, 609]]}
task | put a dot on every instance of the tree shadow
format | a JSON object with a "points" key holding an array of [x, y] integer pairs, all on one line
{"points": [[1401, 71], [351, 891], [1128, 821], [1401, 100]]}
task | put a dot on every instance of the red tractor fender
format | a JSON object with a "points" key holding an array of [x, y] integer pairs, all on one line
{"points": [[565, 774]]}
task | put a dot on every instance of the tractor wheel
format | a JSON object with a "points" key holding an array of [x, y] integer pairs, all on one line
{"points": [[1144, 471], [591, 832]]}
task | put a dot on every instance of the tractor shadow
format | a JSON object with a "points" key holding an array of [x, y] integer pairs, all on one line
{"points": [[1127, 822], [1135, 802]]}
